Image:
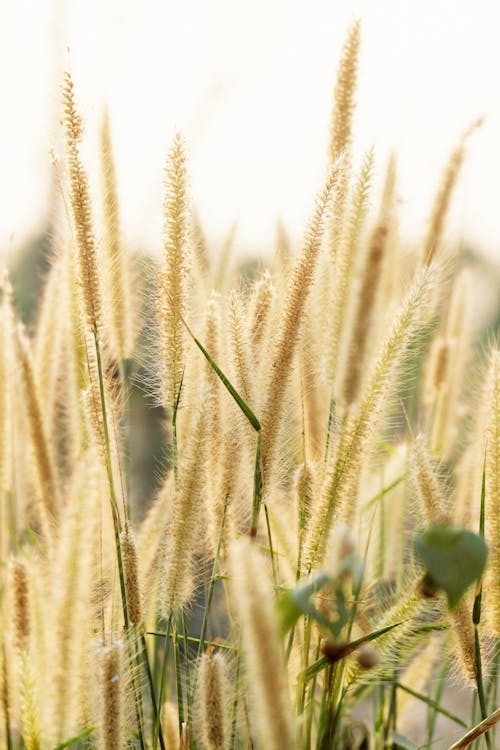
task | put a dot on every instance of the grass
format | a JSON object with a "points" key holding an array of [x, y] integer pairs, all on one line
{"points": [[321, 427]]}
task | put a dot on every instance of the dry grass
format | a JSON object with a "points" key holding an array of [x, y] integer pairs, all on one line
{"points": [[316, 417]]}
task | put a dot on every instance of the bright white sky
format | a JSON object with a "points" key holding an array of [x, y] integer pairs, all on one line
{"points": [[250, 84]]}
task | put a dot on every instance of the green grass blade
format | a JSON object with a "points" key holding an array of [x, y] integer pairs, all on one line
{"points": [[432, 704], [81, 736], [232, 390], [385, 491], [344, 650]]}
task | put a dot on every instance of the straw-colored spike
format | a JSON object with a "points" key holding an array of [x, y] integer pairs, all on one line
{"points": [[314, 393], [183, 523], [49, 338], [111, 698], [340, 142], [174, 278], [39, 437], [345, 89], [229, 484], [200, 249], [491, 590], [287, 334], [131, 570], [339, 490], [213, 702], [446, 373], [70, 616], [240, 346], [283, 256], [463, 629], [148, 539], [116, 272], [259, 310], [367, 295], [431, 493], [21, 607], [8, 510], [30, 724], [345, 263], [252, 594], [5, 696], [103, 429], [170, 725], [81, 210], [304, 486], [443, 197]]}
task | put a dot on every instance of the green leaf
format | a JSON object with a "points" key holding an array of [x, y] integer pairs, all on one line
{"points": [[287, 610], [453, 559], [232, 390], [84, 733], [433, 704], [343, 651], [293, 603]]}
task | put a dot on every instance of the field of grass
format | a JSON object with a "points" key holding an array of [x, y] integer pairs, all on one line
{"points": [[318, 565]]}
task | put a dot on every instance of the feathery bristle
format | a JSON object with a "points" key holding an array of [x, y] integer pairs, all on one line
{"points": [[345, 88], [442, 201], [39, 435], [366, 299], [81, 210], [252, 593], [491, 595], [111, 677], [430, 490], [345, 263], [213, 702], [131, 570], [20, 596], [183, 524], [339, 491], [174, 276], [118, 303], [287, 334]]}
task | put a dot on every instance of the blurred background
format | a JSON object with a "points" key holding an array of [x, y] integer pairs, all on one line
{"points": [[250, 85]]}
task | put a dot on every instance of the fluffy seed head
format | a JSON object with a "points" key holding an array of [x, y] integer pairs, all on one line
{"points": [[174, 276], [81, 210], [214, 695], [345, 88], [111, 698], [131, 569], [20, 595], [491, 591], [252, 594]]}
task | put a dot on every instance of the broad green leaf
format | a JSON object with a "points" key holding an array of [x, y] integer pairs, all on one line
{"points": [[287, 610], [453, 559], [293, 603]]}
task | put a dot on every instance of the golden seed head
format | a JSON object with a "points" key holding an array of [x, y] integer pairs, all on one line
{"points": [[20, 591], [111, 697], [131, 569], [214, 697], [81, 210]]}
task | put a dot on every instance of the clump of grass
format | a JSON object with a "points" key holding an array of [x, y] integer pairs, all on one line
{"points": [[325, 407]]}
